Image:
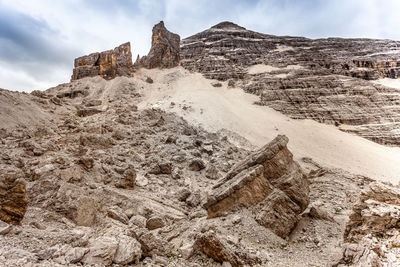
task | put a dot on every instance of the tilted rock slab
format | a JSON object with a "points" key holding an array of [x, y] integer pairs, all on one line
{"points": [[164, 52], [373, 231], [13, 198], [268, 181], [107, 64]]}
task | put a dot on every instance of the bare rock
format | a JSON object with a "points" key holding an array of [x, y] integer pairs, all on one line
{"points": [[161, 168], [164, 52], [101, 251], [118, 214], [75, 255], [138, 220], [268, 181], [154, 223], [86, 211], [13, 198], [128, 251], [196, 165], [372, 233], [107, 64], [219, 249]]}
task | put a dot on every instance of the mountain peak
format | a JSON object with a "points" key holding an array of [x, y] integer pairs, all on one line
{"points": [[227, 25]]}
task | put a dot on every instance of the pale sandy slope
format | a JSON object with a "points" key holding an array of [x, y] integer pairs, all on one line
{"points": [[216, 108]]}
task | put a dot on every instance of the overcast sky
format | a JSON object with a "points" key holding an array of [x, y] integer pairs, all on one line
{"points": [[39, 39]]}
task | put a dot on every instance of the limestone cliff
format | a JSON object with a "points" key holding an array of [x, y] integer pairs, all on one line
{"points": [[164, 52], [107, 64]]}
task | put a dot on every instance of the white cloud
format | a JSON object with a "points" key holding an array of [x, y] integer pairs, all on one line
{"points": [[78, 27]]}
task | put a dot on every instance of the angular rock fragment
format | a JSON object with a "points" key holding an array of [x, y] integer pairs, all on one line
{"points": [[268, 181]]}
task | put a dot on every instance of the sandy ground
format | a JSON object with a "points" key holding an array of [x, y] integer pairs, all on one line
{"points": [[217, 108], [394, 83]]}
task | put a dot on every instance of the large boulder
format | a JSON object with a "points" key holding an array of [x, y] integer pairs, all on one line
{"points": [[13, 198], [164, 52], [107, 64], [270, 183], [373, 232]]}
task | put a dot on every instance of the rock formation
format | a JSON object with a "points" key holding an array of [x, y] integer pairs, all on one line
{"points": [[107, 64], [372, 234], [164, 52], [13, 198], [268, 180], [322, 79]]}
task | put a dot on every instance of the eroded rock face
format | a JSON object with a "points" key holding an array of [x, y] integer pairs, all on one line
{"points": [[13, 198], [268, 181], [324, 79], [107, 64], [165, 50], [372, 234]]}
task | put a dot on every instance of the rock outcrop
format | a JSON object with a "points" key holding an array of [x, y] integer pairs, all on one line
{"points": [[372, 234], [268, 181], [323, 79], [107, 64], [165, 50], [13, 198]]}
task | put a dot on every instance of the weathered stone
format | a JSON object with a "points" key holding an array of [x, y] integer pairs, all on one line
{"points": [[128, 251], [164, 52], [270, 182], [101, 251], [129, 177], [75, 255], [117, 213], [13, 198], [107, 64], [218, 249], [86, 212], [196, 165], [154, 223], [372, 233]]}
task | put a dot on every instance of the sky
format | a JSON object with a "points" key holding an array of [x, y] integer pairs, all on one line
{"points": [[39, 39]]}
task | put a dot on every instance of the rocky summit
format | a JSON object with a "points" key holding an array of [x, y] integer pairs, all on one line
{"points": [[199, 154]]}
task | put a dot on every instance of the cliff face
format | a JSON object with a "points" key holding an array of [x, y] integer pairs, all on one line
{"points": [[326, 80], [164, 52], [107, 64]]}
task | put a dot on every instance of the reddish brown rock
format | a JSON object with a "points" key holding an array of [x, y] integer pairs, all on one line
{"points": [[13, 198], [164, 52], [270, 183], [107, 64]]}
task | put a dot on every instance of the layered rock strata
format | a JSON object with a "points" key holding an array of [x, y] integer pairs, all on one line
{"points": [[165, 50], [270, 182], [322, 79], [107, 64]]}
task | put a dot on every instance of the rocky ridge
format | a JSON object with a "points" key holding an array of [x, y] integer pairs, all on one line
{"points": [[322, 79]]}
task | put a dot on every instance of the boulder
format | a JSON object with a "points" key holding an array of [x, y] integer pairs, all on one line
{"points": [[128, 251], [268, 182], [13, 198], [118, 214], [101, 251], [164, 52], [154, 223]]}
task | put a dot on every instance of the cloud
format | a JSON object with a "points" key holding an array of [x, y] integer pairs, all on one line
{"points": [[39, 39]]}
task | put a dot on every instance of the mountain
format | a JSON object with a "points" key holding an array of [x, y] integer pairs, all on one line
{"points": [[229, 147], [327, 80]]}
